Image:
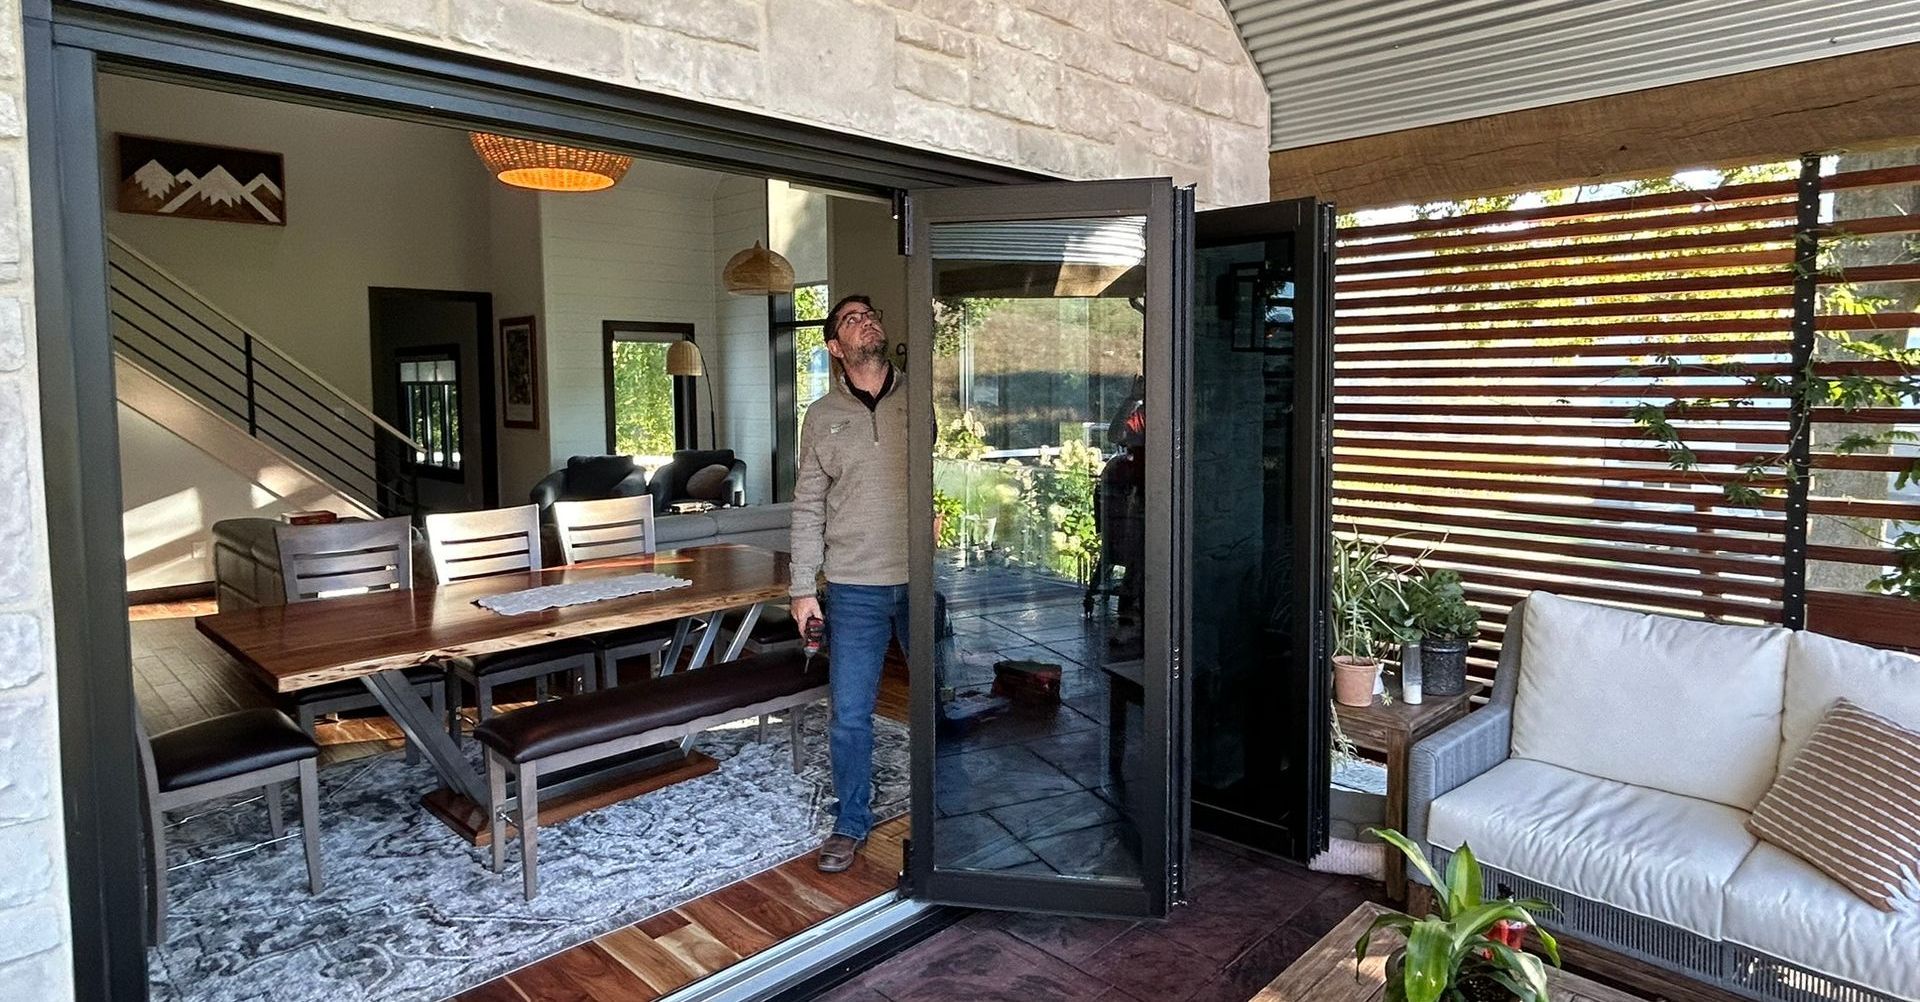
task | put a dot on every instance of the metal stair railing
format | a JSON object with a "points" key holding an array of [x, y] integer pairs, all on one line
{"points": [[187, 341]]}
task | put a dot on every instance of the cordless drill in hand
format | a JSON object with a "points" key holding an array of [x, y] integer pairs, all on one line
{"points": [[814, 632]]}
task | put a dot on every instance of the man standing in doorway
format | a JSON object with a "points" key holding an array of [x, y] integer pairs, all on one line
{"points": [[850, 523]]}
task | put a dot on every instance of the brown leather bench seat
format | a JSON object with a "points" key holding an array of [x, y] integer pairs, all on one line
{"points": [[592, 718], [598, 725]]}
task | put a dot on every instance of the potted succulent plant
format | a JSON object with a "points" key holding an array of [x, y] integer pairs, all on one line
{"points": [[1469, 950], [1447, 625]]}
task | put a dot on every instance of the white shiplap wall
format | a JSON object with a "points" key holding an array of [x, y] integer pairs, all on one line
{"points": [[642, 250], [1337, 69], [737, 354]]}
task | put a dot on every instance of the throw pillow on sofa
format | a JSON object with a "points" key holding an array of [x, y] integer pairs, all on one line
{"points": [[709, 483], [1849, 804]]}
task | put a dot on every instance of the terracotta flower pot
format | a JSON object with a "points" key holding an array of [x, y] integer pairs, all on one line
{"points": [[1353, 680]]}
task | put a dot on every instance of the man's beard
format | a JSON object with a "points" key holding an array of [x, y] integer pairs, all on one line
{"points": [[861, 355]]}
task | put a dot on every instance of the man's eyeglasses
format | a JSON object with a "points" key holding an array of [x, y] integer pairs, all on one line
{"points": [[858, 317]]}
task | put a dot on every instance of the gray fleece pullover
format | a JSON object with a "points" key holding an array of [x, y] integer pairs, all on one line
{"points": [[850, 496]]}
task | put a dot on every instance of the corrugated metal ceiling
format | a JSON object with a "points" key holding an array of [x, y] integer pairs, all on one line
{"points": [[1337, 69]]}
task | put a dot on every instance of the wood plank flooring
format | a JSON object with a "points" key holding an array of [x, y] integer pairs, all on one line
{"points": [[660, 954]]}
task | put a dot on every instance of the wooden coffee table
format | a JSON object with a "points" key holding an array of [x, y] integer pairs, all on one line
{"points": [[1326, 972]]}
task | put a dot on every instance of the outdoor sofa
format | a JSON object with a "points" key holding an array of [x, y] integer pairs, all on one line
{"points": [[1612, 774]]}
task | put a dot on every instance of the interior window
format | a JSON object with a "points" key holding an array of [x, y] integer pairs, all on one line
{"points": [[430, 404], [648, 408]]}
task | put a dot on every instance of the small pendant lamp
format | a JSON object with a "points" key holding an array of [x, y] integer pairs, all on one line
{"points": [[757, 271], [529, 163]]}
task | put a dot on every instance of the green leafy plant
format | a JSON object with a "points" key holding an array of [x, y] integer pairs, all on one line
{"points": [[1369, 606], [1469, 947], [1439, 606], [1904, 579], [963, 437], [947, 511]]}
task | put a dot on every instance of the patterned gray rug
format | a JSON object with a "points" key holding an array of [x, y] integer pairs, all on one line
{"points": [[410, 913]]}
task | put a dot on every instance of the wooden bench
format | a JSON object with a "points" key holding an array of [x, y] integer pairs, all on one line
{"points": [[595, 726]]}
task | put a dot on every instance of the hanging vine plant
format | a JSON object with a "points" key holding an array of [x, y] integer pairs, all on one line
{"points": [[1895, 383]]}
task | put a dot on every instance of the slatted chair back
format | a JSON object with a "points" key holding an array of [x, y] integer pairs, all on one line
{"points": [[478, 544], [345, 558], [613, 527]]}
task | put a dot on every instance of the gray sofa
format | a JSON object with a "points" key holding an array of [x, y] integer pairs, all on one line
{"points": [[1612, 772]]}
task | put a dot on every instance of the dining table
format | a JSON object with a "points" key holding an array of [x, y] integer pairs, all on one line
{"points": [[374, 638]]}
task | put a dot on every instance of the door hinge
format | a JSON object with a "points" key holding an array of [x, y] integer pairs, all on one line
{"points": [[1174, 662]]}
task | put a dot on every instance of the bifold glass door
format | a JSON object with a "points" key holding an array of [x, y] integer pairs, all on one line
{"points": [[1047, 373], [1263, 378]]}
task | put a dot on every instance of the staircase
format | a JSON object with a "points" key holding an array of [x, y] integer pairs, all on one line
{"points": [[190, 367]]}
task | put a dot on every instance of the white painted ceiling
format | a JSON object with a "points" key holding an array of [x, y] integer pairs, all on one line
{"points": [[1337, 69]]}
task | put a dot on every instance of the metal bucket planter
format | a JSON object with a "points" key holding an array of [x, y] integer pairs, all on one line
{"points": [[1443, 666]]}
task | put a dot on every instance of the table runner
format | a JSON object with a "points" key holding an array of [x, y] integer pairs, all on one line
{"points": [[517, 603]]}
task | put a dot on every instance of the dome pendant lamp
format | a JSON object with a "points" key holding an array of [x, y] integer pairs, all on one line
{"points": [[757, 271], [529, 163]]}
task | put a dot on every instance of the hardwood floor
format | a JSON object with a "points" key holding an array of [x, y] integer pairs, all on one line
{"points": [[657, 955]]}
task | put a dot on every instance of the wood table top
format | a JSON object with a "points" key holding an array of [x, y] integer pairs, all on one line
{"points": [[308, 644], [1327, 972], [1400, 715]]}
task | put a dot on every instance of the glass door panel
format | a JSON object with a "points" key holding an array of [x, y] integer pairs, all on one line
{"points": [[1262, 379], [1049, 764]]}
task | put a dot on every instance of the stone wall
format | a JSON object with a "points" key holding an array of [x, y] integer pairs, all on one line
{"points": [[34, 959], [1075, 88]]}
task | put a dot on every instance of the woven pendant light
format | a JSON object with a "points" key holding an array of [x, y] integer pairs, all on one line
{"points": [[757, 271], [529, 163]]}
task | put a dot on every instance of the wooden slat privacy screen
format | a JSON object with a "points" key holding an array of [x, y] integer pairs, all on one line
{"points": [[1486, 366]]}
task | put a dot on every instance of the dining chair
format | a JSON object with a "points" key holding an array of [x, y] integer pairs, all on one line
{"points": [[466, 545], [257, 749], [603, 530], [351, 558]]}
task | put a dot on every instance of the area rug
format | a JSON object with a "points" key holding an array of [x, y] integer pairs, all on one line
{"points": [[410, 913]]}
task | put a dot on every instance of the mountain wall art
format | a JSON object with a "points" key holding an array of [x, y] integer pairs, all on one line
{"points": [[162, 177]]}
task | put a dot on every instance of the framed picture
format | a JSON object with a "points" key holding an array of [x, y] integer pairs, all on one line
{"points": [[163, 177], [519, 373]]}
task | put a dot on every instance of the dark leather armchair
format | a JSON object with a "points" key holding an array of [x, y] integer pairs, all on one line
{"points": [[669, 484], [589, 478]]}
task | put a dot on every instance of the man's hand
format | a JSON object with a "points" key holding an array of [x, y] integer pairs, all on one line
{"points": [[804, 609]]}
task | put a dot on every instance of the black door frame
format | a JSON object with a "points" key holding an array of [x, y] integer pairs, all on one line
{"points": [[686, 395], [209, 44], [484, 338]]}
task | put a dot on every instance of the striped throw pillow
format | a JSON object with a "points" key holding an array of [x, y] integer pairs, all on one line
{"points": [[1849, 804]]}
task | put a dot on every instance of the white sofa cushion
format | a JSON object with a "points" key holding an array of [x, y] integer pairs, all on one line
{"points": [[1687, 707], [1781, 906], [1822, 670], [1655, 854]]}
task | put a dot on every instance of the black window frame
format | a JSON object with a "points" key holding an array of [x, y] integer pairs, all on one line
{"points": [[782, 327], [686, 395]]}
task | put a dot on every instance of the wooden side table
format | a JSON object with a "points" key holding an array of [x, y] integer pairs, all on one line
{"points": [[1328, 971], [1390, 730]]}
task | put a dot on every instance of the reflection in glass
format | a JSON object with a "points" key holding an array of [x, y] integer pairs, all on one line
{"points": [[1039, 494], [1243, 563]]}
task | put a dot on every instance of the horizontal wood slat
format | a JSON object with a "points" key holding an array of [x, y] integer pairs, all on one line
{"points": [[1749, 566], [1410, 447], [1727, 304], [1647, 370], [1351, 244], [1445, 274], [1771, 414], [1598, 513], [1640, 348], [1587, 471], [1747, 435], [1695, 543], [1728, 195], [1753, 237], [1418, 484], [1649, 287], [1629, 328], [1497, 390], [1558, 566]]}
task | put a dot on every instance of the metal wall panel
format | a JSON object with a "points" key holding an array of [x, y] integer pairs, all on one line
{"points": [[1337, 69]]}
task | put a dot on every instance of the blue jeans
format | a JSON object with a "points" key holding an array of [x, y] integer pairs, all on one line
{"points": [[860, 621]]}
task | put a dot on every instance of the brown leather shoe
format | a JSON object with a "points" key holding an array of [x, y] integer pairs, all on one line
{"points": [[837, 852]]}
